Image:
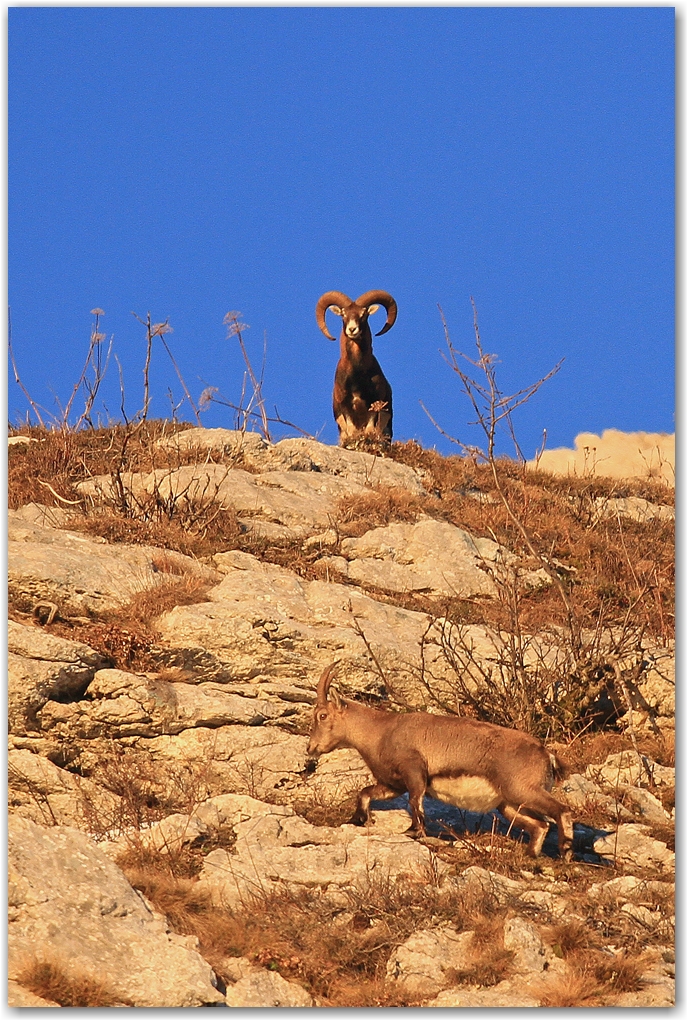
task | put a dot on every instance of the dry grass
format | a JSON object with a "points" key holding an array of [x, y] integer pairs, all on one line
{"points": [[568, 937], [146, 606], [127, 636], [54, 981], [321, 809], [382, 505], [189, 531], [340, 957], [62, 459], [568, 989], [615, 562], [490, 961], [593, 748], [592, 978], [146, 793]]}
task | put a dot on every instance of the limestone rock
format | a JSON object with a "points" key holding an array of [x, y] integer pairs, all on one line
{"points": [[403, 557], [508, 994], [529, 952], [626, 769], [476, 881], [630, 888], [68, 899], [263, 623], [45, 516], [85, 575], [421, 963], [632, 846], [634, 508], [265, 989], [235, 443], [19, 996], [50, 795], [581, 792], [363, 469], [41, 667], [338, 774], [298, 455], [547, 901], [233, 759], [653, 701], [274, 850], [645, 804], [123, 704]]}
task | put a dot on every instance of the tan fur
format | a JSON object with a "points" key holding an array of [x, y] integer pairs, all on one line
{"points": [[471, 764], [472, 793]]}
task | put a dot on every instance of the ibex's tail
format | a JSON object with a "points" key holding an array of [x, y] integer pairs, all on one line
{"points": [[559, 768]]}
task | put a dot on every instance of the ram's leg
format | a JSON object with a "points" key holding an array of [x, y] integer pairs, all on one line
{"points": [[384, 423], [347, 428], [378, 791]]}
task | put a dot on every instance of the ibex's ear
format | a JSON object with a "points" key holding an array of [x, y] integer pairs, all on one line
{"points": [[335, 698], [372, 309], [336, 309]]}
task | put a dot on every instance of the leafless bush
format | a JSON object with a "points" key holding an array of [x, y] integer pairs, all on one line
{"points": [[548, 679]]}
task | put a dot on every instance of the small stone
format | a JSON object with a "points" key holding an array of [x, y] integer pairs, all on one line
{"points": [[265, 989]]}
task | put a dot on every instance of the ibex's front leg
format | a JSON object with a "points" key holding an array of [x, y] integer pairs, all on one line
{"points": [[378, 791], [415, 779]]}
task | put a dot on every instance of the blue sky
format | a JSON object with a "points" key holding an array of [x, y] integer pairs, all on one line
{"points": [[189, 161]]}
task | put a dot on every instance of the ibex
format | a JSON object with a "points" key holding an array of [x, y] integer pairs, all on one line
{"points": [[473, 765], [362, 396]]}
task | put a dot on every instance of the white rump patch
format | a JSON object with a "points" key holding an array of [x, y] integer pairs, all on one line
{"points": [[472, 793]]}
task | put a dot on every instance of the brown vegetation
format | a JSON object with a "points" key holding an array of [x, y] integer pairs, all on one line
{"points": [[340, 958], [56, 982], [613, 561]]}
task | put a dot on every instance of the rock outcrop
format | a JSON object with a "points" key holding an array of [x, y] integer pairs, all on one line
{"points": [[200, 756]]}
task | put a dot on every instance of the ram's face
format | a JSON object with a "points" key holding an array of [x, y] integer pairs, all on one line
{"points": [[354, 319]]}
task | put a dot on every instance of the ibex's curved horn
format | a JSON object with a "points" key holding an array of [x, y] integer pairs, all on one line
{"points": [[380, 297], [332, 297], [325, 681]]}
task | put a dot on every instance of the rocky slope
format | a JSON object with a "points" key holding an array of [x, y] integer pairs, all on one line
{"points": [[181, 744]]}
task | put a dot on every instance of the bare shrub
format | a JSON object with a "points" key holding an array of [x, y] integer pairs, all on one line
{"points": [[146, 793], [577, 668]]}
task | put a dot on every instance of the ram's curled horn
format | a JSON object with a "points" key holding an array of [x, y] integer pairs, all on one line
{"points": [[380, 297], [325, 681], [332, 297]]}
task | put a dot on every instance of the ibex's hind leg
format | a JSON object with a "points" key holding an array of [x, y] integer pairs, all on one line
{"points": [[543, 803], [536, 828], [531, 816], [378, 791]]}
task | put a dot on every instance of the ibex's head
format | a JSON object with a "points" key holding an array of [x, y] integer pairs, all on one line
{"points": [[355, 313], [327, 729]]}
